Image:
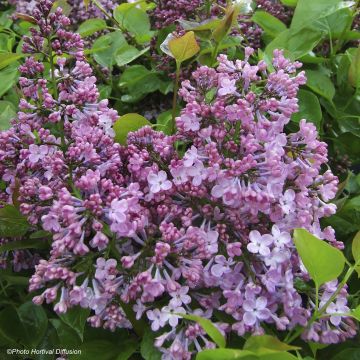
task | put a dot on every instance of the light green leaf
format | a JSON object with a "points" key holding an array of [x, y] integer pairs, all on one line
{"points": [[184, 47], [8, 78], [138, 81], [66, 7], [354, 71], [128, 54], [267, 343], [7, 113], [106, 46], [164, 122], [291, 3], [7, 58], [12, 223], [323, 261], [226, 23], [307, 12], [355, 248], [309, 108], [320, 83], [356, 313], [91, 26], [296, 42], [269, 23], [228, 354], [209, 328], [128, 123], [134, 20]]}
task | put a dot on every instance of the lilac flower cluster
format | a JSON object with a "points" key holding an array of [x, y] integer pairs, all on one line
{"points": [[78, 12], [190, 223]]}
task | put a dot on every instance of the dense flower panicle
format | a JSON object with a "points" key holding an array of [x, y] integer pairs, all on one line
{"points": [[79, 12], [201, 219]]}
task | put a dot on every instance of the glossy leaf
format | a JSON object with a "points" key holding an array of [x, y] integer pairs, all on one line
{"points": [[320, 84], [309, 108], [291, 3], [12, 222], [147, 348], [7, 113], [8, 78], [226, 24], [34, 320], [323, 261], [355, 248], [348, 354], [209, 328], [134, 20], [9, 58], [228, 354], [128, 123], [65, 6], [128, 54], [91, 26], [184, 47], [354, 71], [269, 23], [259, 344], [164, 122], [106, 47], [356, 313], [76, 318]]}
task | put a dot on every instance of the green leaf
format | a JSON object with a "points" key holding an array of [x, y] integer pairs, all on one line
{"points": [[269, 23], [64, 5], [9, 58], [348, 354], [67, 336], [354, 71], [106, 46], [23, 244], [164, 122], [128, 348], [184, 47], [138, 81], [103, 349], [228, 354], [356, 313], [309, 108], [8, 78], [91, 26], [76, 318], [278, 356], [296, 42], [12, 222], [226, 23], [259, 344], [11, 329], [7, 113], [128, 54], [209, 328], [323, 261], [320, 84], [355, 248], [134, 20], [147, 349], [313, 11], [291, 3], [128, 123], [34, 320]]}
